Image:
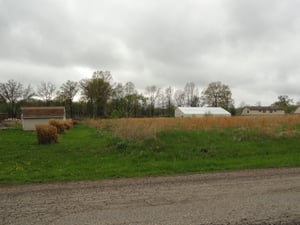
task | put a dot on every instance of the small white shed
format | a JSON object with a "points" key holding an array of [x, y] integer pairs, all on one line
{"points": [[200, 111], [40, 115]]}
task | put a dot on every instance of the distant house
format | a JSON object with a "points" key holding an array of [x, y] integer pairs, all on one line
{"points": [[261, 111], [40, 115], [200, 111], [297, 111]]}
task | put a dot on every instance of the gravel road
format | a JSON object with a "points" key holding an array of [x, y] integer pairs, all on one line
{"points": [[268, 196]]}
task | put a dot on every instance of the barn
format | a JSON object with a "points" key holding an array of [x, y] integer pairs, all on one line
{"points": [[297, 111], [262, 111], [200, 111], [31, 116]]}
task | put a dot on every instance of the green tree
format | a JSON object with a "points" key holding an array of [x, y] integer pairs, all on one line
{"points": [[217, 95], [285, 103], [96, 91], [126, 102]]}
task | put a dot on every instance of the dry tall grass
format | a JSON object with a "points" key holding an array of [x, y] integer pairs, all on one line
{"points": [[135, 128]]}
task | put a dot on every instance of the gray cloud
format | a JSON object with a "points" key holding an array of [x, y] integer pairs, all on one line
{"points": [[250, 45]]}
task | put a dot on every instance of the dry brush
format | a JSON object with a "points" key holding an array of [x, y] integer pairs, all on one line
{"points": [[136, 128]]}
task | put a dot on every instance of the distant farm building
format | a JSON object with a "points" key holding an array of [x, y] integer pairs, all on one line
{"points": [[261, 111], [297, 111], [40, 115], [200, 111]]}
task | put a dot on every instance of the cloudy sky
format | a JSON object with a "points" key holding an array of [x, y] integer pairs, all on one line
{"points": [[251, 45]]}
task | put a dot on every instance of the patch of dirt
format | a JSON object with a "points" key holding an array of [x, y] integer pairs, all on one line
{"points": [[258, 197]]}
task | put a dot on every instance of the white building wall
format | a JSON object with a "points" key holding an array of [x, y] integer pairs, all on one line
{"points": [[29, 124], [297, 111], [200, 112], [250, 112], [178, 113]]}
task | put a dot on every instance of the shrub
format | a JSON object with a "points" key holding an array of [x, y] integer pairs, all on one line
{"points": [[46, 134], [59, 124]]}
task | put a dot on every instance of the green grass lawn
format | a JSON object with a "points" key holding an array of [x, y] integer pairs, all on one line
{"points": [[86, 153]]}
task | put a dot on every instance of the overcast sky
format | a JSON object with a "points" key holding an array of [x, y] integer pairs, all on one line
{"points": [[251, 45]]}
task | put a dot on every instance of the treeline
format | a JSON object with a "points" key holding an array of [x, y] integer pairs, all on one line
{"points": [[101, 97]]}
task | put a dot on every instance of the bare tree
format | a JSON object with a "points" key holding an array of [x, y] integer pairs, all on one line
{"points": [[129, 88], [104, 75], [130, 97], [46, 90], [67, 93], [2, 99], [169, 102], [118, 91], [191, 94], [152, 93], [13, 92], [28, 93], [179, 97]]}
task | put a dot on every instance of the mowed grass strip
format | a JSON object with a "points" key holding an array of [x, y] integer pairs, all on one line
{"points": [[86, 153]]}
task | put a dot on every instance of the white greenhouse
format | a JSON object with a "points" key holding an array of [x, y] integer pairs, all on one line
{"points": [[200, 111]]}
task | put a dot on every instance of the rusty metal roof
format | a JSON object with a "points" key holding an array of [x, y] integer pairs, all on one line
{"points": [[36, 112], [263, 107]]}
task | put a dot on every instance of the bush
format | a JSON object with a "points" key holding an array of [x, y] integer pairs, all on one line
{"points": [[59, 124], [46, 134]]}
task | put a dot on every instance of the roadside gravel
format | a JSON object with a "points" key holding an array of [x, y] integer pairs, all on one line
{"points": [[267, 196]]}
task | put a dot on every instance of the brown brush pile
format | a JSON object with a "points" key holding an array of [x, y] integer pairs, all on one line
{"points": [[61, 125], [46, 134], [68, 124]]}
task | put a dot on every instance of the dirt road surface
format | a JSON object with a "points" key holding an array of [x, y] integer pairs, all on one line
{"points": [[269, 196]]}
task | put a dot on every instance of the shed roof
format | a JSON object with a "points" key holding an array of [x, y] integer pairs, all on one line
{"points": [[36, 112], [203, 110], [263, 107]]}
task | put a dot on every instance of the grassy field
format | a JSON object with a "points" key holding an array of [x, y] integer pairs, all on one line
{"points": [[140, 147]]}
